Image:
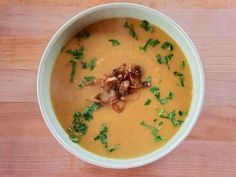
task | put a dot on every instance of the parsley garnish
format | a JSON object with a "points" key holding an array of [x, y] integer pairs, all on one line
{"points": [[78, 124], [83, 34], [72, 136], [131, 30], [77, 53], [150, 42], [87, 80], [114, 42], [165, 59], [181, 77], [182, 65], [146, 26], [154, 131], [88, 112], [156, 92], [73, 69], [79, 128], [149, 79], [81, 84], [182, 113], [102, 137], [167, 45], [90, 64], [147, 102], [171, 116]]}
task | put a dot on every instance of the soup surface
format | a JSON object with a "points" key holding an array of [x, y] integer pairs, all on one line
{"points": [[151, 115]]}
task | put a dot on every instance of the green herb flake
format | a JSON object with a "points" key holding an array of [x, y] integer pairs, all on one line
{"points": [[182, 113], [83, 34], [154, 120], [149, 79], [78, 124], [73, 69], [182, 65], [151, 43], [114, 42], [84, 65], [90, 64], [72, 136], [77, 53], [81, 84], [131, 30], [181, 77], [88, 112], [171, 116], [147, 26], [160, 123], [156, 93], [167, 45], [102, 137], [164, 60], [111, 149], [147, 102], [89, 78], [154, 131]]}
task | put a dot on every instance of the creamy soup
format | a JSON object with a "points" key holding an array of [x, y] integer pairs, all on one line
{"points": [[151, 115]]}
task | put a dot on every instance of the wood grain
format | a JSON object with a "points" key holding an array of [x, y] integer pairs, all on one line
{"points": [[28, 149]]}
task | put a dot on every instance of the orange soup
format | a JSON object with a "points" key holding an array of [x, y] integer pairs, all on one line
{"points": [[121, 88]]}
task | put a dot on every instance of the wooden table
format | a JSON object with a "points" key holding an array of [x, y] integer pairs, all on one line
{"points": [[27, 148]]}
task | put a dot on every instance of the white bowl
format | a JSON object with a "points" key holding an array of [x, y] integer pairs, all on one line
{"points": [[69, 29]]}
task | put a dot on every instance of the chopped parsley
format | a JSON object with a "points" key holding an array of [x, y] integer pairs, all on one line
{"points": [[164, 60], [87, 80], [90, 64], [102, 137], [72, 136], [182, 65], [147, 102], [182, 113], [131, 30], [167, 45], [73, 69], [156, 92], [160, 123], [149, 79], [171, 116], [154, 131], [114, 42], [88, 112], [83, 34], [151, 43], [78, 124], [181, 77], [78, 128], [147, 26], [77, 53], [81, 84]]}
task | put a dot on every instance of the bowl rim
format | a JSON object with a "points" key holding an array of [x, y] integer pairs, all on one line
{"points": [[137, 163]]}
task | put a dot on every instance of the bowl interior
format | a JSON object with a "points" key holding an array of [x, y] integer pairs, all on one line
{"points": [[69, 29]]}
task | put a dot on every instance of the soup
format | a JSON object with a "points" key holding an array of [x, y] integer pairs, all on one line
{"points": [[149, 76]]}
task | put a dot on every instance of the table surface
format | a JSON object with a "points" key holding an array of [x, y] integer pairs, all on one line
{"points": [[27, 148]]}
